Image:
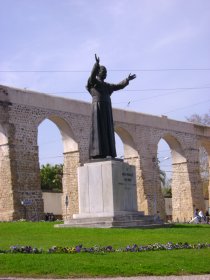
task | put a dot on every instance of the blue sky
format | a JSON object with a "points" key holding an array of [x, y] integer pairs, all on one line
{"points": [[164, 42]]}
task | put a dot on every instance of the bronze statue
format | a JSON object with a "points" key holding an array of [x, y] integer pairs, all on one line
{"points": [[102, 140]]}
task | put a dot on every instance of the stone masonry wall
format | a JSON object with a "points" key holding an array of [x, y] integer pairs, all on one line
{"points": [[6, 172], [70, 183], [6, 196], [21, 113]]}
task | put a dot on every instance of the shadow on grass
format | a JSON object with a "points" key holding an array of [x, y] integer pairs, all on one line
{"points": [[191, 226], [187, 225]]}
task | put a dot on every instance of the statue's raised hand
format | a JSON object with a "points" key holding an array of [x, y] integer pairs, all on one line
{"points": [[131, 77], [97, 59]]}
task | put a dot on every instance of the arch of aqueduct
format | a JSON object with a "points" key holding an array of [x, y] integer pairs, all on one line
{"points": [[21, 112]]}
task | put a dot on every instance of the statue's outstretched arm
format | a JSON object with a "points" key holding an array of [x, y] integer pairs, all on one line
{"points": [[92, 79], [131, 77], [122, 84], [95, 69], [97, 59]]}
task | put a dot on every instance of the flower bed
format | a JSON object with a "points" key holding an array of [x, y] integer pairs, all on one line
{"points": [[106, 249]]}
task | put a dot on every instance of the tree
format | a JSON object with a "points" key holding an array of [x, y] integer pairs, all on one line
{"points": [[165, 184], [51, 177], [162, 175], [166, 189], [198, 119]]}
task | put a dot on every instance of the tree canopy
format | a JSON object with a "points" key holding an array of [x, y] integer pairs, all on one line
{"points": [[51, 177], [200, 119]]}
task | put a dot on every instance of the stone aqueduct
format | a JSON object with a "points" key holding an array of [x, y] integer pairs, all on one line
{"points": [[21, 112]]}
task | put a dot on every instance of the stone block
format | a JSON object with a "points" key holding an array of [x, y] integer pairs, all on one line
{"points": [[106, 188]]}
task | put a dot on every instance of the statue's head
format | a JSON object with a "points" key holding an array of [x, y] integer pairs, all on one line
{"points": [[102, 72]]}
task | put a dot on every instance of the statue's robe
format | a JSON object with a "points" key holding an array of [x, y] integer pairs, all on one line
{"points": [[102, 140]]}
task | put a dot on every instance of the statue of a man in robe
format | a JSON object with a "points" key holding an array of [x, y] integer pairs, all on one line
{"points": [[102, 140]]}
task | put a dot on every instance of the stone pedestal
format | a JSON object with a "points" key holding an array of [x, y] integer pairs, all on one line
{"points": [[107, 197], [106, 189]]}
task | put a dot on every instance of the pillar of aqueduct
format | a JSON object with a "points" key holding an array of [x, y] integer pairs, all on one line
{"points": [[21, 112]]}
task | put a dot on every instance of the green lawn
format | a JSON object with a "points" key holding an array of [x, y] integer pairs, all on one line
{"points": [[44, 235]]}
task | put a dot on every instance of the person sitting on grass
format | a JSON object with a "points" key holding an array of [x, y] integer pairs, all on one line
{"points": [[201, 215], [207, 216], [196, 219]]}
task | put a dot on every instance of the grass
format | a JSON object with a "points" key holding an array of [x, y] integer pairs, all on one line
{"points": [[44, 235]]}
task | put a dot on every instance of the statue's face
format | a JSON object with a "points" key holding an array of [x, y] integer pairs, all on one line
{"points": [[102, 73]]}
